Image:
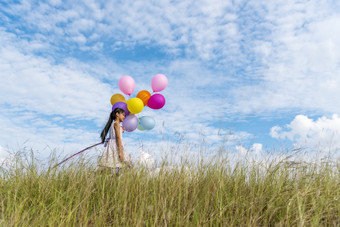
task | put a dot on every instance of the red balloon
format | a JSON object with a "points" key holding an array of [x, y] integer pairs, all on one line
{"points": [[156, 101]]}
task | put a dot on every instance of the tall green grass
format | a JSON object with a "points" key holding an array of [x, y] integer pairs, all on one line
{"points": [[215, 194]]}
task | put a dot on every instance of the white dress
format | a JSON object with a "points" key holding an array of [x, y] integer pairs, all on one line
{"points": [[110, 157]]}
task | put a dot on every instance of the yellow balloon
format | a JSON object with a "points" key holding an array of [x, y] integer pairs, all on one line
{"points": [[135, 105], [117, 98]]}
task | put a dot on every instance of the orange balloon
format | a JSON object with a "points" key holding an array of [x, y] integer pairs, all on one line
{"points": [[117, 98], [144, 96]]}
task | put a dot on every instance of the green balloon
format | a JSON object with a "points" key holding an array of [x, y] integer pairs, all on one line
{"points": [[139, 126]]}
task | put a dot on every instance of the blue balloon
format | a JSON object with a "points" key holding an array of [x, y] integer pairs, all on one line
{"points": [[147, 123]]}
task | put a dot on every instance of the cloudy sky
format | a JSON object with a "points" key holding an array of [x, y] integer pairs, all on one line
{"points": [[243, 74]]}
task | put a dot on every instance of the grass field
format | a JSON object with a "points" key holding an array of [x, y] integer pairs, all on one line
{"points": [[216, 194]]}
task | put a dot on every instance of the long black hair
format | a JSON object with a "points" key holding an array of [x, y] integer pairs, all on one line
{"points": [[109, 122]]}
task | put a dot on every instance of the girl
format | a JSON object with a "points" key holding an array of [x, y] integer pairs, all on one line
{"points": [[114, 156]]}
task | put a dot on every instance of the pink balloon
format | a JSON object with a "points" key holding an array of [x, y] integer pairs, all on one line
{"points": [[127, 85], [156, 101], [159, 82]]}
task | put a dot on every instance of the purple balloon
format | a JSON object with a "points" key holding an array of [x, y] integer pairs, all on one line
{"points": [[130, 123], [121, 105], [156, 101]]}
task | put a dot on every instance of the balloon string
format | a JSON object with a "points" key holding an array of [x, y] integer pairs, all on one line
{"points": [[76, 154]]}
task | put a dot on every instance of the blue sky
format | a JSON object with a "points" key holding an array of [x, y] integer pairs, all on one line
{"points": [[252, 75]]}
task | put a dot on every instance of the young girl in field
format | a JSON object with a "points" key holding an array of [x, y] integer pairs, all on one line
{"points": [[114, 157]]}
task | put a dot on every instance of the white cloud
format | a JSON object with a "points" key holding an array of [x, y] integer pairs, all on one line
{"points": [[206, 28], [56, 2], [257, 148], [254, 150], [322, 134], [241, 150], [296, 43], [38, 97], [33, 83], [42, 136], [41, 96], [3, 155], [298, 58]]}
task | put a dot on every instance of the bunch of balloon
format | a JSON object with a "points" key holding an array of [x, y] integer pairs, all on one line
{"points": [[136, 105], [156, 101]]}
